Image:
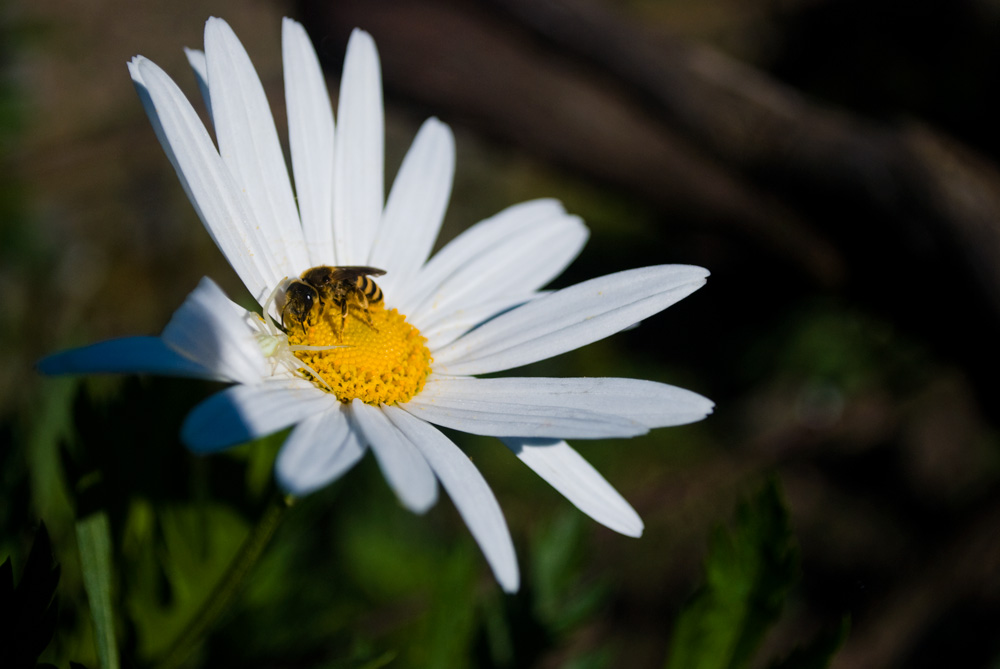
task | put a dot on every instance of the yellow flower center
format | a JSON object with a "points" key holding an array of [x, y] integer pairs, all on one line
{"points": [[386, 361]]}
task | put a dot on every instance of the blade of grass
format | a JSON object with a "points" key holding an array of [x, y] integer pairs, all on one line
{"points": [[93, 535]]}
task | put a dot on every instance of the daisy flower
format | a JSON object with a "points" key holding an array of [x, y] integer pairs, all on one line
{"points": [[377, 369]]}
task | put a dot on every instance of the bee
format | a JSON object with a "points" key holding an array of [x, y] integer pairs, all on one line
{"points": [[308, 297]]}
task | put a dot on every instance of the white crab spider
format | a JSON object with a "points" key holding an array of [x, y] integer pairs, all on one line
{"points": [[274, 344]]}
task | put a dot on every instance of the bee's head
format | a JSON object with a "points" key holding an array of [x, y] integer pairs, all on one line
{"points": [[300, 300]]}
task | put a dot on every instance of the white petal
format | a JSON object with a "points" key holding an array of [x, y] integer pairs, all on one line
{"points": [[196, 59], [467, 252], [520, 262], [213, 191], [310, 135], [358, 174], [404, 468], [128, 355], [242, 413], [248, 143], [319, 450], [461, 321], [416, 205], [568, 319], [647, 402], [514, 418], [470, 493], [566, 471], [211, 330]]}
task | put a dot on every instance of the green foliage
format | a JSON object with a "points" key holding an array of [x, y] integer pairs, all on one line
{"points": [[558, 596], [51, 422], [564, 598], [176, 570], [93, 535], [747, 576], [452, 617], [351, 580], [828, 343]]}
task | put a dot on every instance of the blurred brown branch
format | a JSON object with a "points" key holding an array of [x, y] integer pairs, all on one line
{"points": [[913, 179], [471, 66], [899, 215]]}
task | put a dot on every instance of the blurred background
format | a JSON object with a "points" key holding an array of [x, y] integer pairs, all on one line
{"points": [[833, 163]]}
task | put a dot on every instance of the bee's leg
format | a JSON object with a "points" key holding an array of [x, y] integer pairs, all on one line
{"points": [[343, 320], [284, 319], [363, 303]]}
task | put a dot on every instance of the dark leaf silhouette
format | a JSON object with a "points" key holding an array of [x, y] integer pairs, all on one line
{"points": [[28, 611]]}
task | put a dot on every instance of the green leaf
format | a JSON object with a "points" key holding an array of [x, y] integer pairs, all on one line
{"points": [[819, 652], [747, 575], [451, 617], [564, 595], [174, 574], [50, 421], [93, 534]]}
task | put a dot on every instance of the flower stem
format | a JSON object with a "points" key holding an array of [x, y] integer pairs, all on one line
{"points": [[228, 586]]}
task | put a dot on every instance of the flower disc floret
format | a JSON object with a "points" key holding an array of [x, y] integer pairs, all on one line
{"points": [[385, 362]]}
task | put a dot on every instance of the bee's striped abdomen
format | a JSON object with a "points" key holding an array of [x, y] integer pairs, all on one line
{"points": [[369, 288]]}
